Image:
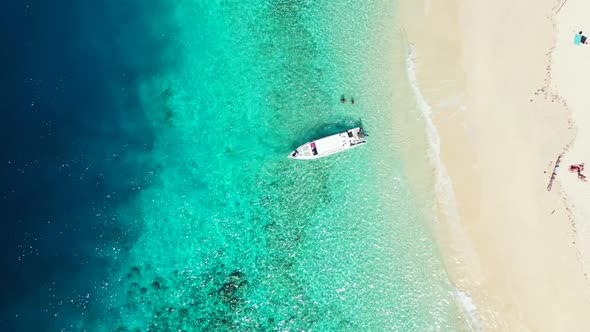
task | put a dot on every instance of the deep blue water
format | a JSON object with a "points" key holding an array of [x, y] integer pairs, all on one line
{"points": [[72, 137]]}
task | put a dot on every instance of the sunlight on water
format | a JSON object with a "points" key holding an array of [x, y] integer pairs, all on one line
{"points": [[237, 237]]}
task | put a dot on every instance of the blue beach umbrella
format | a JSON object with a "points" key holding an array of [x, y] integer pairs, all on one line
{"points": [[578, 39]]}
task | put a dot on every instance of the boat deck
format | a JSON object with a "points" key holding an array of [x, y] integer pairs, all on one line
{"points": [[329, 145], [332, 143]]}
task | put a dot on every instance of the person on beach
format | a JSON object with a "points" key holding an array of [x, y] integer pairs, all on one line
{"points": [[578, 169]]}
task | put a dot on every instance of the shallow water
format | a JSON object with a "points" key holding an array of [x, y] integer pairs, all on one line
{"points": [[218, 229]]}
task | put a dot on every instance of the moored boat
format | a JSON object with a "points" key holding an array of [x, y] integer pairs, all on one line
{"points": [[329, 145]]}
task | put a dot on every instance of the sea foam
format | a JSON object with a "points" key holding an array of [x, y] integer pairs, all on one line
{"points": [[469, 310], [443, 185], [445, 194]]}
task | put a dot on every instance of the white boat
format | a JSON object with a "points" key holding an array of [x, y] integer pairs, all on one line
{"points": [[329, 145]]}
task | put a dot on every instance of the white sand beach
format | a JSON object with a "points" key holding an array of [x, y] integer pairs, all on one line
{"points": [[570, 79], [506, 86]]}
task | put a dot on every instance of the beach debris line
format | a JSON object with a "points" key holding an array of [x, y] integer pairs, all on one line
{"points": [[561, 6], [578, 168], [554, 173]]}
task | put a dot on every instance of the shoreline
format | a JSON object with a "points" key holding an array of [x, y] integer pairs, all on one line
{"points": [[445, 204], [511, 248]]}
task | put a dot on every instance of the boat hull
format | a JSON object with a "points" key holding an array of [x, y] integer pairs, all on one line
{"points": [[329, 145]]}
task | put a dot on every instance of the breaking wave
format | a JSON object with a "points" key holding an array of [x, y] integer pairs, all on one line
{"points": [[445, 194]]}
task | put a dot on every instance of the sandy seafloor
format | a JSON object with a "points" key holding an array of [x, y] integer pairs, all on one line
{"points": [[146, 184]]}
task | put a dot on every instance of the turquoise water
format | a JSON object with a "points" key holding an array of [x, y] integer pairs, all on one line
{"points": [[233, 236]]}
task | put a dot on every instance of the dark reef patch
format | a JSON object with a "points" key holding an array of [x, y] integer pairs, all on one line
{"points": [[76, 147]]}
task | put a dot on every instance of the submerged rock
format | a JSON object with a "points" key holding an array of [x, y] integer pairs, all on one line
{"points": [[228, 293], [244, 284], [135, 271], [234, 302], [236, 275]]}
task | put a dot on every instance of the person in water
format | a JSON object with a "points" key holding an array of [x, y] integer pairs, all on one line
{"points": [[342, 99], [352, 100]]}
